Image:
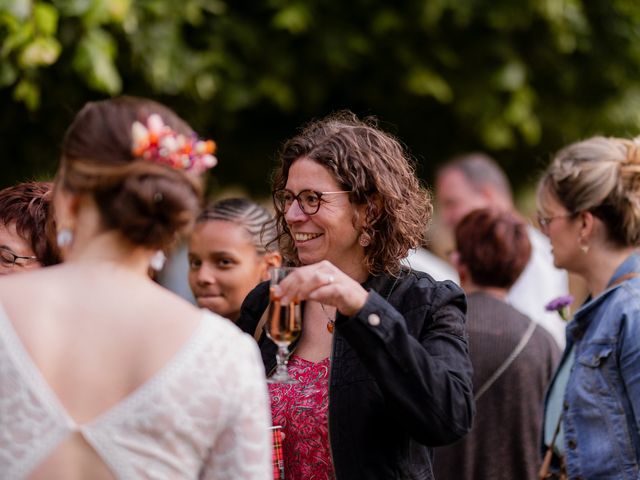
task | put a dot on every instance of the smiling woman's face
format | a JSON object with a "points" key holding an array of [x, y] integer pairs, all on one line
{"points": [[329, 234], [224, 266], [12, 244]]}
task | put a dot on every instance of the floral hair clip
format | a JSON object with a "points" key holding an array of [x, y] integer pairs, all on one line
{"points": [[158, 143]]}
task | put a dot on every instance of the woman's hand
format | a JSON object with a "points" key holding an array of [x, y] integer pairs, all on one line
{"points": [[325, 283]]}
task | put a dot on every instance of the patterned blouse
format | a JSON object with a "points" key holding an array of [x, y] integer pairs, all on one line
{"points": [[302, 409]]}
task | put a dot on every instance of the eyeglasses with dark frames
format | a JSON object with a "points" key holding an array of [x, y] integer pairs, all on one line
{"points": [[8, 258], [308, 200]]}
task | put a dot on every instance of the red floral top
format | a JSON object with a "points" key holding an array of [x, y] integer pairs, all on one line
{"points": [[301, 409]]}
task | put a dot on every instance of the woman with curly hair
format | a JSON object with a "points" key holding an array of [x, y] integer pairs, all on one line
{"points": [[26, 231], [382, 366]]}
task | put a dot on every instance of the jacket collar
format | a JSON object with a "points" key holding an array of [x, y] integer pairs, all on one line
{"points": [[581, 317]]}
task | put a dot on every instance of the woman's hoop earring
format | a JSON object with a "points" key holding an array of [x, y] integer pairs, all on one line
{"points": [[64, 237]]}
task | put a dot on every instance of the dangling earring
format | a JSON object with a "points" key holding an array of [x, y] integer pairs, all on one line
{"points": [[364, 240], [157, 260], [64, 237], [583, 247]]}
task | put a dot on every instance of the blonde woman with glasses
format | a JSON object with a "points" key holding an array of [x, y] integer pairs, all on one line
{"points": [[589, 201]]}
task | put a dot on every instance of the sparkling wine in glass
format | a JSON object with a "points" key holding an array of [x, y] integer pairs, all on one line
{"points": [[283, 326]]}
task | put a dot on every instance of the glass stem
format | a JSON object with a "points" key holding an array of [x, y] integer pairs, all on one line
{"points": [[281, 359]]}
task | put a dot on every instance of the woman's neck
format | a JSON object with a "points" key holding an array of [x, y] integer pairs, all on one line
{"points": [[497, 292], [109, 248], [599, 266]]}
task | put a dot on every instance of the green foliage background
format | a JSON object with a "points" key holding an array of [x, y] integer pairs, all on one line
{"points": [[515, 78]]}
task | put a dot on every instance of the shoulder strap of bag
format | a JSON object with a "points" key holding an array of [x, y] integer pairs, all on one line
{"points": [[508, 361], [545, 471]]}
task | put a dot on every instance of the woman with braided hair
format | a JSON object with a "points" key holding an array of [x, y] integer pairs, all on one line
{"points": [[230, 251], [589, 201]]}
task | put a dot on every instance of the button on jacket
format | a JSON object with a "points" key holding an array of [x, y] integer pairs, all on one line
{"points": [[400, 376], [601, 409]]}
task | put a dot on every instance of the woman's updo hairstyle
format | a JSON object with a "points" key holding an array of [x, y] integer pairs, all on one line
{"points": [[149, 203], [600, 175]]}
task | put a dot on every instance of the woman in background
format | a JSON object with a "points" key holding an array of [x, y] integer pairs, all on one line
{"points": [[108, 375], [589, 201], [27, 236], [513, 357], [230, 251]]}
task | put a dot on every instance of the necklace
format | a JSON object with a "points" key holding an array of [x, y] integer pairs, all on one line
{"points": [[331, 322]]}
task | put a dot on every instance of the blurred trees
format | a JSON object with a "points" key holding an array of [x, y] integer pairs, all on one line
{"points": [[516, 79]]}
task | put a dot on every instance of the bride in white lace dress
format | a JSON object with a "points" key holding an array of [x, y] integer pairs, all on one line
{"points": [[103, 373]]}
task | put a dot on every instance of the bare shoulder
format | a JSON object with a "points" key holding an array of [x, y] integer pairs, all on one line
{"points": [[30, 285]]}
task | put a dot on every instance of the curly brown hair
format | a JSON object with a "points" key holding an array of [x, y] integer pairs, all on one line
{"points": [[380, 174], [28, 206]]}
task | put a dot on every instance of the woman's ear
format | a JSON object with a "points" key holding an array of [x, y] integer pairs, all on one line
{"points": [[587, 225], [66, 206], [269, 260]]}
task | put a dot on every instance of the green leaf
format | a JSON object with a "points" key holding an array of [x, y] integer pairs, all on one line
{"points": [[511, 76], [496, 134], [8, 74], [17, 38], [40, 51], [102, 12], [73, 8], [28, 93], [46, 19], [424, 82], [21, 9], [206, 86], [294, 18], [278, 92], [94, 60], [119, 10]]}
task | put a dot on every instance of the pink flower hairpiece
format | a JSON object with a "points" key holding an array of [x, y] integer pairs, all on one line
{"points": [[158, 143]]}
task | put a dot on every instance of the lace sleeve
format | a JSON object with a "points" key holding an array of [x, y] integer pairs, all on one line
{"points": [[243, 448]]}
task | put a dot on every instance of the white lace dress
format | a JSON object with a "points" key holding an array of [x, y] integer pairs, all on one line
{"points": [[204, 415]]}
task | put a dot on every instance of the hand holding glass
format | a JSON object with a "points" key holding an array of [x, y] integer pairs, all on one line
{"points": [[283, 325]]}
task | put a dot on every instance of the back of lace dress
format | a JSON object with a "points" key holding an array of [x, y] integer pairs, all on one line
{"points": [[204, 415]]}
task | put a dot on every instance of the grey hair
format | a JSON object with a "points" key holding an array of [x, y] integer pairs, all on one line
{"points": [[252, 217], [600, 175], [481, 170]]}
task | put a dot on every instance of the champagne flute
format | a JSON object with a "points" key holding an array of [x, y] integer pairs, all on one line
{"points": [[283, 325]]}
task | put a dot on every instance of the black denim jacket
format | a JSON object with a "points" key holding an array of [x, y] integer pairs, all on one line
{"points": [[398, 386]]}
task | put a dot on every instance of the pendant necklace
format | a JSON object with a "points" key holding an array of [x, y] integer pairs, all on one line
{"points": [[331, 322]]}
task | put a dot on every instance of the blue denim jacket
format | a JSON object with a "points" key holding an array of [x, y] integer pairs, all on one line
{"points": [[601, 409]]}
